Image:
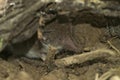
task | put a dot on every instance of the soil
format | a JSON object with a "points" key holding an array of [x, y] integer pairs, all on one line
{"points": [[14, 69]]}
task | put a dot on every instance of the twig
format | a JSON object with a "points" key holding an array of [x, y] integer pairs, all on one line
{"points": [[111, 45], [81, 58], [109, 74]]}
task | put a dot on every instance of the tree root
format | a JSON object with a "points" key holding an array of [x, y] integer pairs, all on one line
{"points": [[81, 58], [112, 46], [113, 74]]}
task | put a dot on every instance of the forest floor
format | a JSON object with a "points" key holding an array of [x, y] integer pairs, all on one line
{"points": [[88, 33]]}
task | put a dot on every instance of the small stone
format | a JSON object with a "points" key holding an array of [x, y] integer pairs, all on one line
{"points": [[86, 49]]}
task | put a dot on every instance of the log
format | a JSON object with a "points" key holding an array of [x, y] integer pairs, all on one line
{"points": [[20, 24]]}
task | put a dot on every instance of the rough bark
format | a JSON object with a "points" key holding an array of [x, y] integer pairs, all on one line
{"points": [[20, 24]]}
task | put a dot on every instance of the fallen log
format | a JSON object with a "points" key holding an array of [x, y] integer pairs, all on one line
{"points": [[20, 24]]}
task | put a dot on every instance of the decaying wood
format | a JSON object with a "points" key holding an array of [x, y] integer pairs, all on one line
{"points": [[12, 14], [81, 58], [20, 24]]}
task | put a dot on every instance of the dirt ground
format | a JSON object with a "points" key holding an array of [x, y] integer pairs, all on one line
{"points": [[27, 69]]}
